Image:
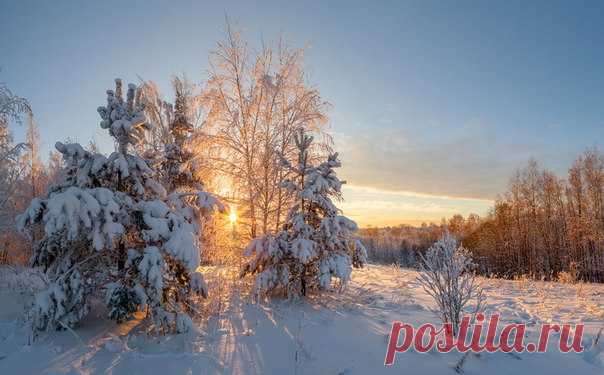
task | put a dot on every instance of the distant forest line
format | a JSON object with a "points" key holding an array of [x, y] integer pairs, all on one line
{"points": [[540, 227]]}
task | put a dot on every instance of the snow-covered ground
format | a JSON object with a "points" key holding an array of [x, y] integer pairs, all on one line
{"points": [[331, 334]]}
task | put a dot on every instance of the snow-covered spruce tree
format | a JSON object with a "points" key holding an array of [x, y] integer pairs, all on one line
{"points": [[178, 167], [169, 149], [446, 274], [316, 243], [109, 225]]}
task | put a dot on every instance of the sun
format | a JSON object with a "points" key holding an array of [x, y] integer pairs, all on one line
{"points": [[233, 217]]}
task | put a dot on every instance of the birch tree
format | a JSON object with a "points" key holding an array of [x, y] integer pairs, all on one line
{"points": [[255, 102]]}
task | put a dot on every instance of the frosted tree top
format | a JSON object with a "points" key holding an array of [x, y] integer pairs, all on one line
{"points": [[126, 120]]}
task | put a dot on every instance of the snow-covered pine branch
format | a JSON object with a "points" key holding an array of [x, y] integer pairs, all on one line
{"points": [[446, 274], [110, 225], [316, 242]]}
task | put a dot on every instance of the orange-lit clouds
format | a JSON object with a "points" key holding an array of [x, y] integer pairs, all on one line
{"points": [[374, 207]]}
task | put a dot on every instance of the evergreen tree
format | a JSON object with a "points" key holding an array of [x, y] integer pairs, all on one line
{"points": [[316, 243], [178, 161], [110, 225]]}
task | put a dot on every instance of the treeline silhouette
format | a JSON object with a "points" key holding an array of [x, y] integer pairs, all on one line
{"points": [[540, 227]]}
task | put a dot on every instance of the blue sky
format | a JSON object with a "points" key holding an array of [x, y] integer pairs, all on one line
{"points": [[434, 103]]}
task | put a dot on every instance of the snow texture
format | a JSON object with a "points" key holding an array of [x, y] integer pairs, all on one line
{"points": [[334, 334]]}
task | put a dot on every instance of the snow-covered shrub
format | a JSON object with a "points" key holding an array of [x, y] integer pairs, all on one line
{"points": [[446, 274], [109, 225], [316, 243]]}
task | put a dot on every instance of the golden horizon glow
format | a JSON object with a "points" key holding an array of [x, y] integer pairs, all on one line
{"points": [[373, 207]]}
